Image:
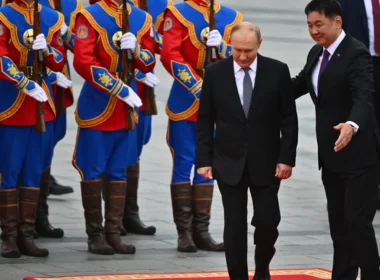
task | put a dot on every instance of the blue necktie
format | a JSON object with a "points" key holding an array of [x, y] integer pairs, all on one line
{"points": [[247, 91], [325, 61]]}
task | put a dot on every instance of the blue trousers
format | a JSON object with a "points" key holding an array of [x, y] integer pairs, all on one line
{"points": [[97, 152], [139, 137], [181, 141], [49, 143], [26, 153], [132, 154], [144, 131], [60, 127]]}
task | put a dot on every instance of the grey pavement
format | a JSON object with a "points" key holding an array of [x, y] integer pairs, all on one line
{"points": [[304, 233]]}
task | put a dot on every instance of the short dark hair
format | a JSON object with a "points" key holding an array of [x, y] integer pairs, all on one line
{"points": [[330, 8]]}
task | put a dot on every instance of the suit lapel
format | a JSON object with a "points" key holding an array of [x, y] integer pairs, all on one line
{"points": [[334, 62], [258, 79], [233, 89], [309, 72]]}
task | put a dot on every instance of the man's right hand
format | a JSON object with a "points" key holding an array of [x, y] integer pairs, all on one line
{"points": [[132, 99], [283, 171], [36, 92], [205, 172], [128, 41]]}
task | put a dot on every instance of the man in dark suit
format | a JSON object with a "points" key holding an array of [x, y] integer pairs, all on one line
{"points": [[248, 97], [338, 75], [361, 19]]}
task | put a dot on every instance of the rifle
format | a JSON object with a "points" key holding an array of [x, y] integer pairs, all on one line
{"points": [[38, 69], [150, 101], [212, 50], [60, 104], [127, 71]]}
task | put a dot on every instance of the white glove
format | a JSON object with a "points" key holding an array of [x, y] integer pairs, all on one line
{"points": [[37, 93], [152, 32], [64, 29], [62, 81], [132, 99], [128, 41], [214, 39], [151, 80], [40, 43]]}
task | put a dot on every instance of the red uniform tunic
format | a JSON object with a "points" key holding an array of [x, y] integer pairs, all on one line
{"points": [[25, 115], [69, 14], [90, 51], [182, 47], [156, 9]]}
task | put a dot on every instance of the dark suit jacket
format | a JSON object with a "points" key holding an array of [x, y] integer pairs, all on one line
{"points": [[344, 94], [355, 20], [255, 140]]}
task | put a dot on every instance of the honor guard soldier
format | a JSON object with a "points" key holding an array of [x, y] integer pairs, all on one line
{"points": [[184, 55], [69, 9], [27, 114], [131, 218], [48, 183], [104, 109]]}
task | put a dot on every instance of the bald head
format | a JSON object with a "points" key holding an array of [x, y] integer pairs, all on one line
{"points": [[245, 29], [245, 41]]}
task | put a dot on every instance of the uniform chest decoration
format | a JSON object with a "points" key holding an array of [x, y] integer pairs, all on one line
{"points": [[204, 34], [115, 39], [28, 38]]}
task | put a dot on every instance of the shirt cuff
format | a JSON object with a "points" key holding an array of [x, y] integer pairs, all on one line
{"points": [[354, 125]]}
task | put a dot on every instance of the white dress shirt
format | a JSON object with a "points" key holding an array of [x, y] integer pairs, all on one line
{"points": [[371, 27], [314, 77], [239, 77], [331, 50]]}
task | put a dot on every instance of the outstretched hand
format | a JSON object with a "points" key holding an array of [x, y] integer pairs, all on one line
{"points": [[346, 132]]}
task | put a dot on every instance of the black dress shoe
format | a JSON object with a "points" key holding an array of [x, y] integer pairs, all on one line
{"points": [[57, 189]]}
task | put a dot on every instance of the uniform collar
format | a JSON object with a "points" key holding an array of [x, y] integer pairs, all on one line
{"points": [[113, 4], [23, 4], [202, 3]]}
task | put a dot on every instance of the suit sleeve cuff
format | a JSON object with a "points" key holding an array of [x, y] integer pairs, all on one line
{"points": [[354, 125]]}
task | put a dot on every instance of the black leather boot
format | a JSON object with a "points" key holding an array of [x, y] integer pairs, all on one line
{"points": [[43, 226], [58, 189], [131, 218]]}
